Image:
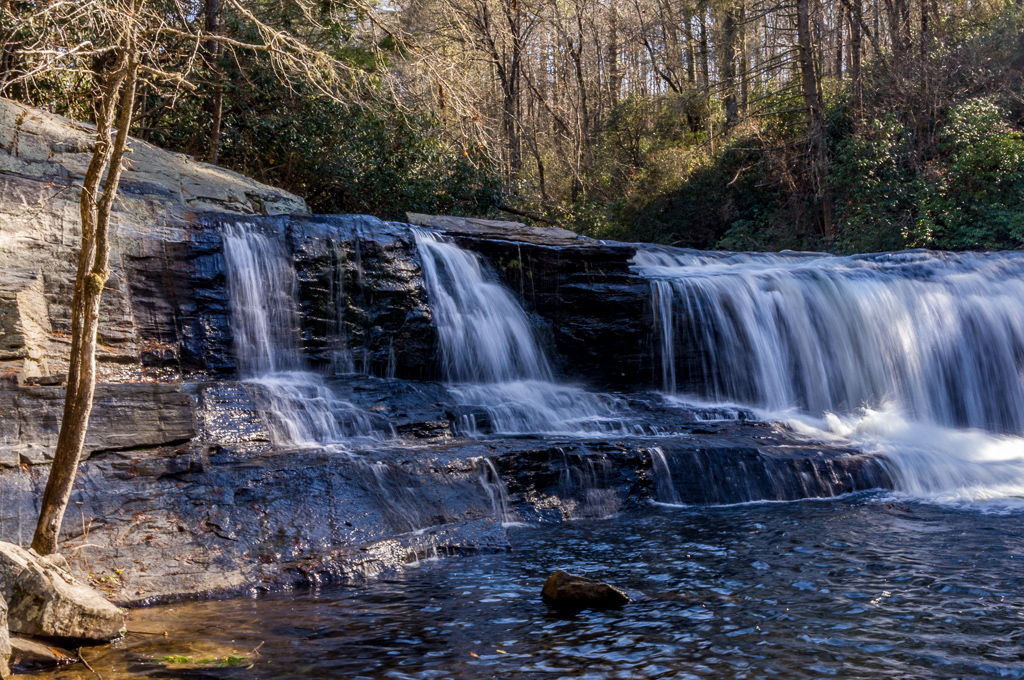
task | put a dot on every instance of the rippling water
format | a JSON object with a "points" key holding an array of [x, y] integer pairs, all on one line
{"points": [[860, 587]]}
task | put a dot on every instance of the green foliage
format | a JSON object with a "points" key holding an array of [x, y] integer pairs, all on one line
{"points": [[341, 158], [975, 191], [875, 189], [350, 159], [934, 164]]}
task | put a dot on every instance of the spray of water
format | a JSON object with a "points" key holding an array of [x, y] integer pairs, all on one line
{"points": [[299, 409], [490, 354], [917, 356]]}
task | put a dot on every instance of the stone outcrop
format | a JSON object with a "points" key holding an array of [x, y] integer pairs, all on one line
{"points": [[564, 591], [44, 599], [43, 158], [37, 144], [124, 416]]}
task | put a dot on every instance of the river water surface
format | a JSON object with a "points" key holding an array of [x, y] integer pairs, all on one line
{"points": [[857, 587]]}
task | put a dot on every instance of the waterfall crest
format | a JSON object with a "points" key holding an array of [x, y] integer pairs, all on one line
{"points": [[491, 356], [298, 407], [916, 355]]}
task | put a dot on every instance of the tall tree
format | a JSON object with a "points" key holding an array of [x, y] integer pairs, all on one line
{"points": [[115, 103], [811, 91]]}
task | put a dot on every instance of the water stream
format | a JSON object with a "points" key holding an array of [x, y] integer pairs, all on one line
{"points": [[917, 356], [853, 588], [491, 356], [299, 408]]}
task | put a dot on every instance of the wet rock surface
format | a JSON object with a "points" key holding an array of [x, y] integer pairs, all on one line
{"points": [[227, 512], [31, 655], [565, 591]]}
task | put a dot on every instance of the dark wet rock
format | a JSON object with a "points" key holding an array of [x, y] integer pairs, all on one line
{"points": [[124, 416], [5, 641], [44, 599], [563, 590], [360, 279], [31, 655], [593, 310], [499, 229], [166, 523]]}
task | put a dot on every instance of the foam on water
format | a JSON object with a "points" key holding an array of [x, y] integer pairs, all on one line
{"points": [[916, 356]]}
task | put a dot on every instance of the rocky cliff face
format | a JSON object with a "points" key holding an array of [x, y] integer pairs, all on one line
{"points": [[183, 490]]}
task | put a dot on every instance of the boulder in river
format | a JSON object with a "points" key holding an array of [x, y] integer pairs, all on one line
{"points": [[563, 590], [44, 599]]}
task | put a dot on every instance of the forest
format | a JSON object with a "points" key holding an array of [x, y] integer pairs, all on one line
{"points": [[836, 125]]}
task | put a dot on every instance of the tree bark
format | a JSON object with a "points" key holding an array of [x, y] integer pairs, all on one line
{"points": [[215, 100], [815, 115], [117, 100], [856, 16], [614, 79], [729, 66], [704, 69]]}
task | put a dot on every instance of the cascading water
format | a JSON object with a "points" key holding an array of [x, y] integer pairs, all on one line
{"points": [[490, 354], [300, 410], [918, 355]]}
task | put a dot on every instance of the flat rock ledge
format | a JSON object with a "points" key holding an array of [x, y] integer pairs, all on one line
{"points": [[45, 600], [567, 591]]}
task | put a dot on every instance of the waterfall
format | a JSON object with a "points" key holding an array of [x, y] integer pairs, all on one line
{"points": [[299, 408], [918, 355], [491, 357], [494, 486]]}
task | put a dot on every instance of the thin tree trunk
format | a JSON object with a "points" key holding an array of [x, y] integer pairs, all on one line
{"points": [[815, 116], [839, 44], [613, 52], [729, 66], [215, 101], [744, 59], [117, 99], [856, 19], [704, 68]]}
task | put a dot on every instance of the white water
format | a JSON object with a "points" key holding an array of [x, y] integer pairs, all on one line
{"points": [[916, 356], [494, 486], [298, 408], [490, 354]]}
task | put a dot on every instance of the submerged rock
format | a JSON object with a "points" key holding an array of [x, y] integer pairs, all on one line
{"points": [[30, 655], [5, 642], [44, 599], [563, 590]]}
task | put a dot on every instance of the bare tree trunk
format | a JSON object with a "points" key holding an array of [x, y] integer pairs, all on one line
{"points": [[117, 99], [215, 102], [856, 19], [729, 65], [744, 59], [815, 115], [613, 52], [839, 43], [704, 69], [691, 75]]}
